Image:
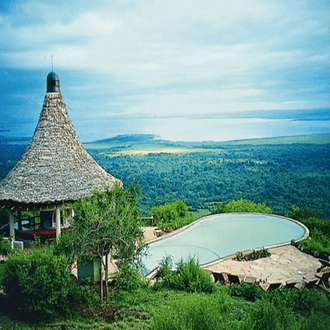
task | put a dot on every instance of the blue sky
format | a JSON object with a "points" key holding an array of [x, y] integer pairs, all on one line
{"points": [[184, 69]]}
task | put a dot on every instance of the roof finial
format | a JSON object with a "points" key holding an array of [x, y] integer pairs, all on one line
{"points": [[52, 62]]}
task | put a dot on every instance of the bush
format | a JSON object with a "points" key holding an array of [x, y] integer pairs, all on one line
{"points": [[173, 214], [251, 292], [242, 205], [264, 315], [319, 239], [129, 278], [5, 247], [38, 285], [188, 277], [303, 301]]}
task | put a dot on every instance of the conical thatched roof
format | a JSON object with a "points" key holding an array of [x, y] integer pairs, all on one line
{"points": [[55, 167]]}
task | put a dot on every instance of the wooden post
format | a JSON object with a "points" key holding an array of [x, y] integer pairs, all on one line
{"points": [[11, 228], [19, 216], [58, 221]]}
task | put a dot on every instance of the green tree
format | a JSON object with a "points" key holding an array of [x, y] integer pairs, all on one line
{"points": [[105, 225]]}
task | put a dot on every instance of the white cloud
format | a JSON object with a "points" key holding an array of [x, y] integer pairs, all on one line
{"points": [[171, 58]]}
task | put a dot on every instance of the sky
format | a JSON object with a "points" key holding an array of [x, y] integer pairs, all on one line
{"points": [[182, 70]]}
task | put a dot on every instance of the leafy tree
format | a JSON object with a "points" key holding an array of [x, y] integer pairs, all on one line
{"points": [[242, 205], [105, 225]]}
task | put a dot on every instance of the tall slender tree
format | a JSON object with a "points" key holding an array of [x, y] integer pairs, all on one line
{"points": [[105, 226]]}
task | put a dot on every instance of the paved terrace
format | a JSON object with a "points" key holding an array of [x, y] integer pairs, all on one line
{"points": [[285, 265]]}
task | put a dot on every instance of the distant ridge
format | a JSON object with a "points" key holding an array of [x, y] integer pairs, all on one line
{"points": [[307, 139], [127, 138], [152, 139]]}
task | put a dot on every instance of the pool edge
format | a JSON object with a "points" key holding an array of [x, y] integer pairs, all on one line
{"points": [[179, 230]]}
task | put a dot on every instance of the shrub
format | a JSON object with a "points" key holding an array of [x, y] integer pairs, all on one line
{"points": [[303, 301], [319, 239], [129, 277], [251, 292], [264, 315], [5, 247], [188, 276], [242, 205], [173, 214], [38, 285]]}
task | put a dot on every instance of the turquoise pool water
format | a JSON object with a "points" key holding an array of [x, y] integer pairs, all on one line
{"points": [[219, 235]]}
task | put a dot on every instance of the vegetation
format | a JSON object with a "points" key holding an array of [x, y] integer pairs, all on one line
{"points": [[283, 172], [242, 205], [5, 247], [105, 225], [38, 285], [318, 242], [171, 215], [262, 253], [220, 177], [188, 276], [185, 299]]}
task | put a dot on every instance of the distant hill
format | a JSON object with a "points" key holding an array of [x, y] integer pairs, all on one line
{"points": [[127, 138], [150, 141], [305, 139]]}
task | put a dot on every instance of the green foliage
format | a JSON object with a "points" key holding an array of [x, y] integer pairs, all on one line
{"points": [[188, 277], [264, 315], [317, 242], [242, 205], [262, 253], [219, 311], [303, 301], [129, 278], [319, 238], [196, 311], [2, 272], [106, 224], [38, 285], [282, 174], [250, 292], [173, 214], [5, 247]]}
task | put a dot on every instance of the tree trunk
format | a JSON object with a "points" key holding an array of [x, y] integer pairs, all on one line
{"points": [[101, 280], [106, 277]]}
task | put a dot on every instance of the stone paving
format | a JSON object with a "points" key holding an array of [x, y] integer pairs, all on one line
{"points": [[286, 264]]}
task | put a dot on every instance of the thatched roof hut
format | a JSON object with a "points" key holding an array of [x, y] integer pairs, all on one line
{"points": [[55, 166]]}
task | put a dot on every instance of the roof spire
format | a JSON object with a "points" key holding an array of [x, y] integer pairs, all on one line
{"points": [[53, 83], [52, 62]]}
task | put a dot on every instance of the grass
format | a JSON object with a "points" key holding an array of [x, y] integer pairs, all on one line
{"points": [[200, 213], [146, 308]]}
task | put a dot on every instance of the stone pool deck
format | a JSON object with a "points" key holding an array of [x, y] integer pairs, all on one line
{"points": [[285, 265]]}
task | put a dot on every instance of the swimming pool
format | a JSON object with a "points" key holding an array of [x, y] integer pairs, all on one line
{"points": [[216, 236]]}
